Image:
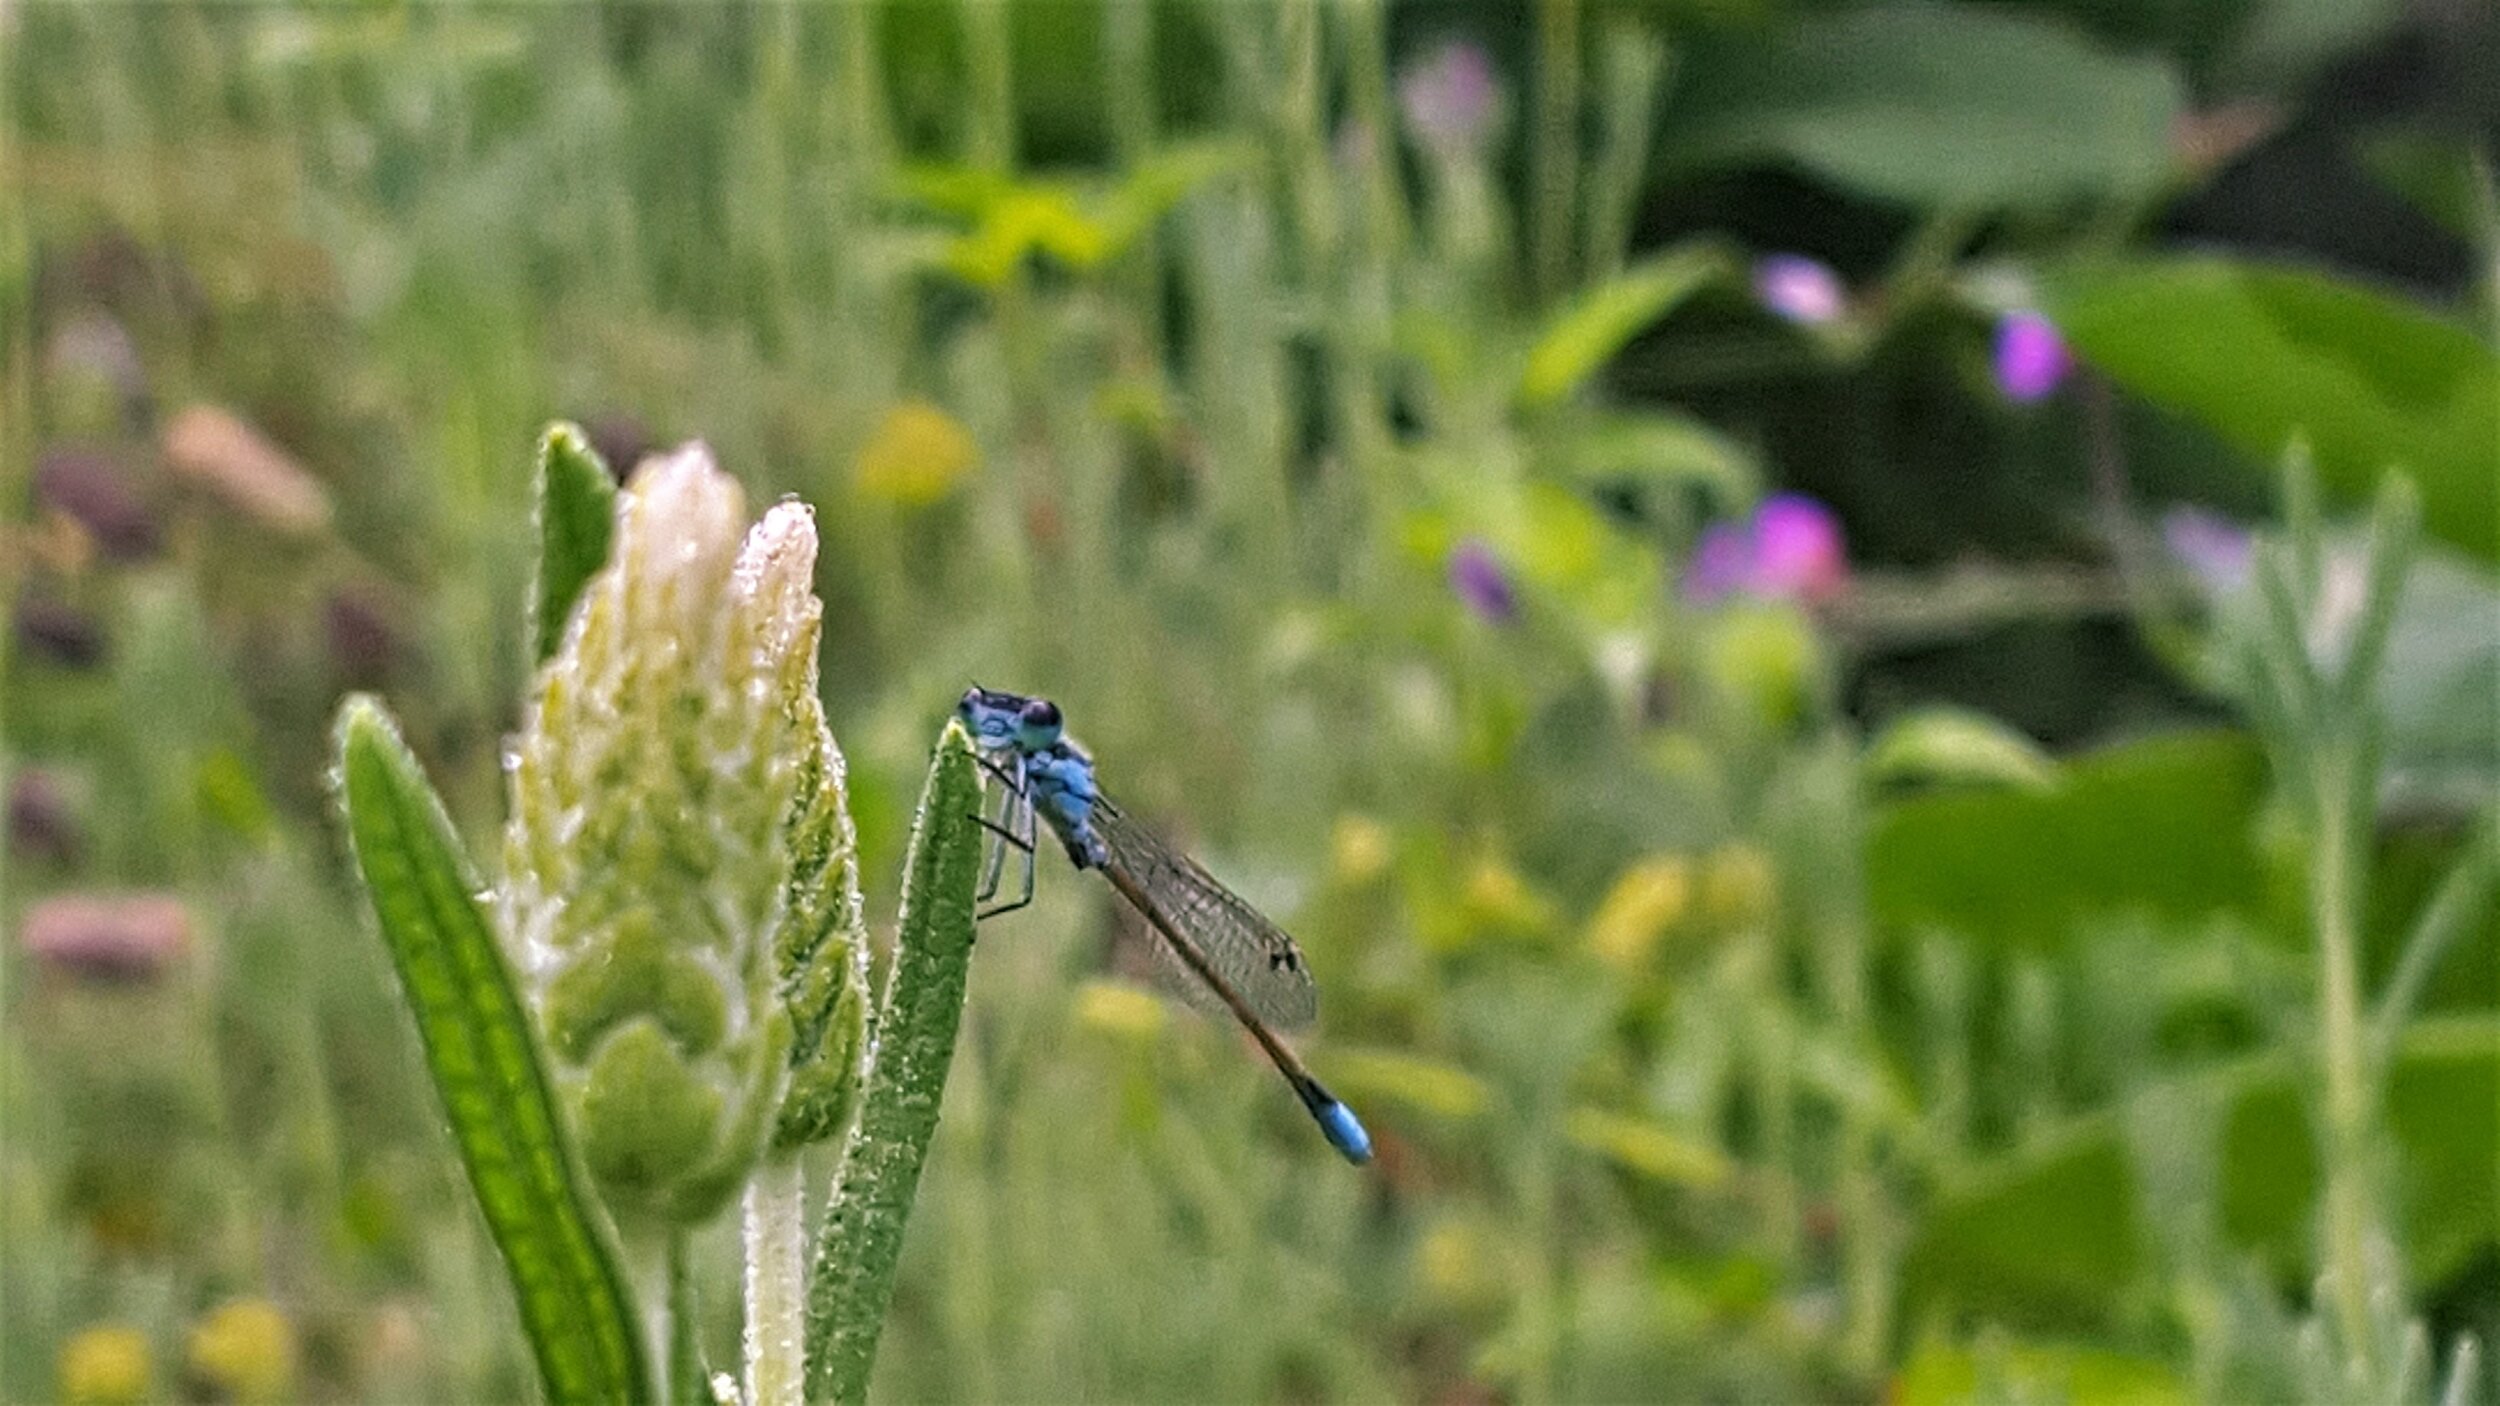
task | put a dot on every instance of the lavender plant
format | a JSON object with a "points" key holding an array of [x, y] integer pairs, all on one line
{"points": [[2310, 675], [662, 1000]]}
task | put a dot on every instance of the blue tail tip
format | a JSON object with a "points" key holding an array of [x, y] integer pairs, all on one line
{"points": [[1345, 1131]]}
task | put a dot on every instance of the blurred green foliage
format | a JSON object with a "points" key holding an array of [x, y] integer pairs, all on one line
{"points": [[1168, 359]]}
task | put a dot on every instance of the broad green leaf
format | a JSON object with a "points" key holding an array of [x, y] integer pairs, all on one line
{"points": [[576, 517], [853, 1278], [1932, 104], [1955, 746], [2052, 1232], [2435, 174], [1587, 334], [2163, 826], [485, 1064], [2279, 44], [2265, 356]]}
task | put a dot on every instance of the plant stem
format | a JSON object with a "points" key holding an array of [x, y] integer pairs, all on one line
{"points": [[2335, 891], [688, 1384], [1554, 146], [989, 55], [648, 1266], [776, 1226]]}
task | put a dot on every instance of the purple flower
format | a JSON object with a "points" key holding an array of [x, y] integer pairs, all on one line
{"points": [[2031, 358], [43, 821], [2215, 550], [1450, 99], [1477, 578], [60, 632], [1789, 549], [1722, 563], [87, 485], [1802, 290]]}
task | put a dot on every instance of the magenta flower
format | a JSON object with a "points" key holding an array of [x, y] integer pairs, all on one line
{"points": [[1451, 99], [1789, 549], [1797, 551], [1802, 290], [2031, 358], [1477, 578]]}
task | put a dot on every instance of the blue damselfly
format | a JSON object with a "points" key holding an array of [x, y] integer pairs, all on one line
{"points": [[1249, 963]]}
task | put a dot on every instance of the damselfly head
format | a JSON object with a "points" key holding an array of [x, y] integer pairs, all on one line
{"points": [[1037, 724], [993, 716]]}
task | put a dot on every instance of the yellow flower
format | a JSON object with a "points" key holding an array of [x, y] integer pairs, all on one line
{"points": [[1118, 1009], [1461, 1264], [1738, 888], [1497, 897], [915, 457], [1360, 849], [246, 1349], [105, 1366], [1651, 897]]}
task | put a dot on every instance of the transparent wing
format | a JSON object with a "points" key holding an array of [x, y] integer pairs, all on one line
{"points": [[1252, 954]]}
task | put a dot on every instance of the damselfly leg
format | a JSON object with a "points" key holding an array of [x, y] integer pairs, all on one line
{"points": [[998, 823], [1014, 828]]}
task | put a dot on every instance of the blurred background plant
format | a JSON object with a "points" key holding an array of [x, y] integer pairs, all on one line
{"points": [[1713, 560]]}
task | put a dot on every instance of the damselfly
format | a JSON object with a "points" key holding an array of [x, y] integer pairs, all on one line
{"points": [[1245, 960]]}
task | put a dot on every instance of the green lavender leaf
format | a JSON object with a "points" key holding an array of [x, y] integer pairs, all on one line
{"points": [[485, 1065], [1602, 321], [853, 1278], [576, 517]]}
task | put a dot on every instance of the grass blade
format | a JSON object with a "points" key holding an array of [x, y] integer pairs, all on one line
{"points": [[576, 516], [853, 1277], [485, 1065]]}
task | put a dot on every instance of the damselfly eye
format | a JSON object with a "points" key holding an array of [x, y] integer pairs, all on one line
{"points": [[1040, 718]]}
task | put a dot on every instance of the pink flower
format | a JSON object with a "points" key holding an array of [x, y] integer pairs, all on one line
{"points": [[2031, 358], [1451, 99], [108, 937], [2214, 549], [1802, 290]]}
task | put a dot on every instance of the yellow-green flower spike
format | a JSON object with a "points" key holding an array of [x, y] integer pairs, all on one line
{"points": [[679, 890]]}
